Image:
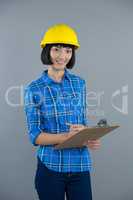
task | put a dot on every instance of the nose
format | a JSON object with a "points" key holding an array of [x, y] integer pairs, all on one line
{"points": [[62, 54]]}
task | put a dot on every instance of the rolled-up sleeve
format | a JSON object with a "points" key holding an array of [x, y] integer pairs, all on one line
{"points": [[32, 112]]}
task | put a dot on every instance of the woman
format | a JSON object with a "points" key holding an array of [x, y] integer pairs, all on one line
{"points": [[52, 101]]}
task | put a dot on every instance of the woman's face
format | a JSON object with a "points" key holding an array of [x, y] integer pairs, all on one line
{"points": [[60, 56]]}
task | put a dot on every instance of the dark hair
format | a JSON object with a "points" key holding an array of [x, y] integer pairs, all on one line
{"points": [[45, 54]]}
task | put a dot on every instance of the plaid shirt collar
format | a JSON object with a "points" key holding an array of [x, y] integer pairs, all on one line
{"points": [[48, 80]]}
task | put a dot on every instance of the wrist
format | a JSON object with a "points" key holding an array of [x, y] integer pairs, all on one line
{"points": [[63, 137]]}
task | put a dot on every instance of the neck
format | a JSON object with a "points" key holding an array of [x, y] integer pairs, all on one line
{"points": [[56, 74]]}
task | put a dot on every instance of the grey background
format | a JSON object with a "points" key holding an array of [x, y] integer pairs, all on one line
{"points": [[105, 30]]}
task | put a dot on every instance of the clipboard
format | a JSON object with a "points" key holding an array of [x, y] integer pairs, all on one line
{"points": [[89, 133]]}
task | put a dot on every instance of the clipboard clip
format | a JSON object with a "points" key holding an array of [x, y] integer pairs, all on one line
{"points": [[102, 123]]}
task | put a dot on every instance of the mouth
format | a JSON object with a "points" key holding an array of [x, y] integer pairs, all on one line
{"points": [[60, 62]]}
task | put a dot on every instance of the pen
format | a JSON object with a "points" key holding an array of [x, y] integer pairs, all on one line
{"points": [[69, 124]]}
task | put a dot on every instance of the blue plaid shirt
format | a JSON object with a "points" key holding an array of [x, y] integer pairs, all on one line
{"points": [[49, 105]]}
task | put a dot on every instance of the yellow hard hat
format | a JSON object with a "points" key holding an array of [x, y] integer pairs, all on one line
{"points": [[60, 33]]}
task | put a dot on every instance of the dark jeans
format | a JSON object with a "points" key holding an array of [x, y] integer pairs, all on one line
{"points": [[52, 185]]}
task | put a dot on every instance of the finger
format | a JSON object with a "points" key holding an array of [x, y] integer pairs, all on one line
{"points": [[94, 146], [74, 129], [94, 142], [77, 125]]}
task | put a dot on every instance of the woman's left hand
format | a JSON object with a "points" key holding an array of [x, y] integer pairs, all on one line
{"points": [[93, 144]]}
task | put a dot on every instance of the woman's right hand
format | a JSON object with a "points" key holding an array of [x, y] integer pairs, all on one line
{"points": [[65, 136], [74, 129], [68, 135]]}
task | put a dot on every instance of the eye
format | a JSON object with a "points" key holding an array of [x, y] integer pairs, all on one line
{"points": [[68, 51], [56, 49]]}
